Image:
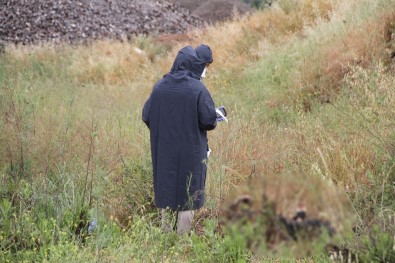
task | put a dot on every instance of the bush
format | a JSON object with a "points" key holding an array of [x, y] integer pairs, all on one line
{"points": [[378, 245]]}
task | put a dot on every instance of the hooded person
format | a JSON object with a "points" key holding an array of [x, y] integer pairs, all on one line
{"points": [[178, 113]]}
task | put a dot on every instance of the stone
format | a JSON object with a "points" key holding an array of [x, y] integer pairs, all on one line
{"points": [[40, 21]]}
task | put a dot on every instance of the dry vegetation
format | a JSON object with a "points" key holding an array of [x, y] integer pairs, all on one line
{"points": [[309, 91]]}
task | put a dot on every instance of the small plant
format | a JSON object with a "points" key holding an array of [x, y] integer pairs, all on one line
{"points": [[378, 246]]}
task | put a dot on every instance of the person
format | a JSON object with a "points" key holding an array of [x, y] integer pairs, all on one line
{"points": [[178, 113]]}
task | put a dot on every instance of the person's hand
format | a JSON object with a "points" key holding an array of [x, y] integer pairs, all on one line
{"points": [[221, 114]]}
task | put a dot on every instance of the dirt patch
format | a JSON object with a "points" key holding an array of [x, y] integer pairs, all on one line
{"points": [[216, 10]]}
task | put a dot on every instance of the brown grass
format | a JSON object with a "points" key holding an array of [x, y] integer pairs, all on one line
{"points": [[111, 80], [360, 46]]}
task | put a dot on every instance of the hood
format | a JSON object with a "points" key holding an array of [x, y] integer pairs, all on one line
{"points": [[192, 60], [204, 52]]}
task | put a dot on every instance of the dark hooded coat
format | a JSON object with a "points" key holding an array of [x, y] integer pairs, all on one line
{"points": [[179, 112]]}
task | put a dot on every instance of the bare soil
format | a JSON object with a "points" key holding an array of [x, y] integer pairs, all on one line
{"points": [[213, 11]]}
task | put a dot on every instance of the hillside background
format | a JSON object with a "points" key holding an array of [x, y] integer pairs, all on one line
{"points": [[309, 89]]}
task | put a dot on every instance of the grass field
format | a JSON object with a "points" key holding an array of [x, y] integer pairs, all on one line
{"points": [[309, 89]]}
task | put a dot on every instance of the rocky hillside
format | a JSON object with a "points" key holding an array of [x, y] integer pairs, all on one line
{"points": [[73, 21], [214, 10]]}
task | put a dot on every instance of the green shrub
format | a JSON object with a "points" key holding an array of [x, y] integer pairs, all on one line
{"points": [[378, 245]]}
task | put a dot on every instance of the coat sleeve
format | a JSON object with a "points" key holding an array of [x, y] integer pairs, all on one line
{"points": [[146, 109], [206, 111]]}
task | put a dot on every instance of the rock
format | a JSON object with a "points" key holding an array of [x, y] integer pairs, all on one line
{"points": [[37, 21]]}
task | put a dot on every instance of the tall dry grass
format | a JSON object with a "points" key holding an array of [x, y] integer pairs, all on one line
{"points": [[71, 115], [112, 76], [361, 44]]}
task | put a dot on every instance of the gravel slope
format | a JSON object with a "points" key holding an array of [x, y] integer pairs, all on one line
{"points": [[34, 21]]}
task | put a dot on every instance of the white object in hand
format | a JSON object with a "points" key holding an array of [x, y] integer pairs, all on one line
{"points": [[222, 116]]}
